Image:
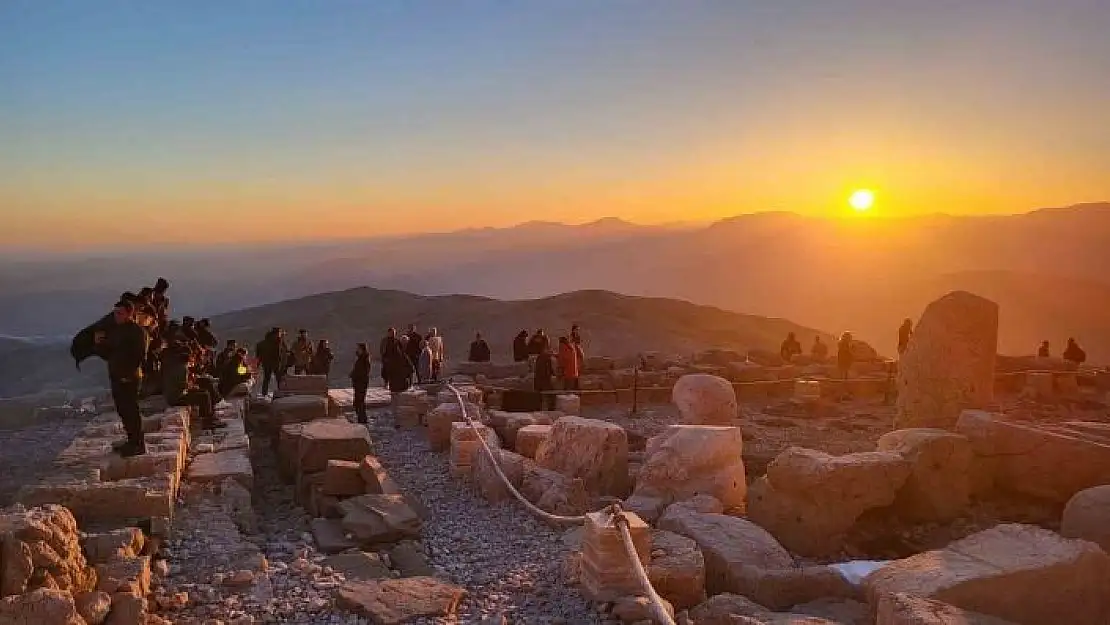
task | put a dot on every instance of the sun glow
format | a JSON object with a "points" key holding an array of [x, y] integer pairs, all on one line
{"points": [[862, 200]]}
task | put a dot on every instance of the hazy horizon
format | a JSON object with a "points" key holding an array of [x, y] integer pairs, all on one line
{"points": [[257, 122]]}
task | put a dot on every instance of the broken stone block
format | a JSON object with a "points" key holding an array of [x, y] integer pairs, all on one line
{"points": [[93, 606], [128, 609], [359, 565], [592, 450], [397, 601], [292, 384], [216, 467], [343, 478], [646, 507], [379, 518], [635, 609], [687, 460], [330, 536], [809, 499], [1087, 516], [514, 421], [130, 575], [41, 547], [486, 480], [903, 609], [607, 573], [568, 404], [1015, 572], [730, 609], [529, 437], [677, 570], [286, 443], [126, 542], [440, 422], [939, 486], [466, 448], [409, 560], [43, 606], [704, 399], [554, 492], [331, 439], [375, 478], [949, 364], [299, 409]]}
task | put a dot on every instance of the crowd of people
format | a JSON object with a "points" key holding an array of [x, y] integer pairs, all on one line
{"points": [[149, 353], [276, 358]]}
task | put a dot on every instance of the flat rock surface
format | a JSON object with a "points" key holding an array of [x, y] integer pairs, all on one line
{"points": [[396, 601]]}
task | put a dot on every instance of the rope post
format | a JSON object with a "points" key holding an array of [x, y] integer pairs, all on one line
{"points": [[608, 571]]}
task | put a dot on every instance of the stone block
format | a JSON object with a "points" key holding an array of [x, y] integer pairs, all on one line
{"points": [[216, 467], [568, 404], [465, 446], [125, 542], [807, 390], [687, 460], [376, 479], [44, 606], [903, 609], [375, 519], [554, 492], [293, 384], [122, 501], [343, 478], [397, 601], [40, 547], [299, 408], [486, 480], [359, 565], [288, 441], [1021, 573], [939, 485], [1040, 385], [704, 399], [130, 575], [677, 569], [529, 438], [440, 422], [949, 364], [607, 573], [330, 439], [592, 450], [330, 536]]}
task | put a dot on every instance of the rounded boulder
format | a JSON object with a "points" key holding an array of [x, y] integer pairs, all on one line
{"points": [[705, 399], [1087, 516]]}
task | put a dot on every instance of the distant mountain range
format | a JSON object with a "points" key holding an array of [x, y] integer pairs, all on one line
{"points": [[1045, 268]]}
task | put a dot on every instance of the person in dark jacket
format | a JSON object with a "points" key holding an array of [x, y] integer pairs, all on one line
{"points": [[205, 336], [224, 356], [1043, 351], [544, 378], [520, 347], [790, 347], [233, 372], [127, 345], [189, 329], [904, 334], [360, 380], [272, 355], [85, 343], [412, 347], [1074, 354], [539, 343], [322, 359], [396, 365], [479, 349], [160, 300], [179, 388], [386, 347]]}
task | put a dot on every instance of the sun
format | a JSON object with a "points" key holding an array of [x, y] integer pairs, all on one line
{"points": [[862, 200]]}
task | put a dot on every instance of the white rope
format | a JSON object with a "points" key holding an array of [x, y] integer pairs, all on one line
{"points": [[660, 611]]}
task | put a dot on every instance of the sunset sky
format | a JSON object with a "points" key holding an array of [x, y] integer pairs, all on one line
{"points": [[266, 119]]}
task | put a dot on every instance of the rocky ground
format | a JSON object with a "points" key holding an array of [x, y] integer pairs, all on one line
{"points": [[27, 451]]}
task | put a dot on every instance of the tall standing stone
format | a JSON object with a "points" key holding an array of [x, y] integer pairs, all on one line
{"points": [[949, 364]]}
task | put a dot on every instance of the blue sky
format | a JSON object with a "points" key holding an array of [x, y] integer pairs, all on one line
{"points": [[389, 116]]}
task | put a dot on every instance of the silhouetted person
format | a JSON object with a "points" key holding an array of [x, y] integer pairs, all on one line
{"points": [[272, 354], [820, 350], [360, 380], [520, 346], [435, 343], [205, 336], [1074, 354], [569, 363], [1043, 351], [544, 378], [539, 343], [389, 346], [575, 335], [413, 345], [234, 372], [189, 329], [127, 345], [302, 353], [790, 347], [322, 358], [904, 334], [180, 390], [479, 349], [844, 355], [225, 355], [395, 360], [160, 300], [424, 362]]}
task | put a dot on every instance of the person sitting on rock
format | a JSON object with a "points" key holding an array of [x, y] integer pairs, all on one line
{"points": [[206, 337], [1074, 354], [360, 380], [1043, 351], [790, 348], [479, 349], [179, 387], [322, 359], [226, 354], [904, 334], [569, 363], [302, 353], [844, 355], [520, 346], [234, 372], [820, 350]]}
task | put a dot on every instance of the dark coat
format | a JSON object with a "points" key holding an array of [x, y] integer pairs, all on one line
{"points": [[479, 351]]}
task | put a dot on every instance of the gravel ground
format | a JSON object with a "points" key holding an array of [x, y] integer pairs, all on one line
{"points": [[27, 453], [509, 562]]}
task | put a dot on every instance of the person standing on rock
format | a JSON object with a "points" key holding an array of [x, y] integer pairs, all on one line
{"points": [[360, 380], [435, 343], [272, 354], [127, 345], [569, 363], [302, 353], [479, 349], [844, 355], [904, 334]]}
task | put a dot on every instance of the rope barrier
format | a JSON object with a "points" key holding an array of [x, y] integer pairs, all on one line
{"points": [[660, 611]]}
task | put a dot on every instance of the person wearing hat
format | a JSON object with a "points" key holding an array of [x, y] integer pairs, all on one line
{"points": [[127, 344]]}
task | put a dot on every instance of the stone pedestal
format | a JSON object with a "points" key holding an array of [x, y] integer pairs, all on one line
{"points": [[607, 572]]}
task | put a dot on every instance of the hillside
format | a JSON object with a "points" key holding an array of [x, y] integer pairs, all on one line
{"points": [[612, 324]]}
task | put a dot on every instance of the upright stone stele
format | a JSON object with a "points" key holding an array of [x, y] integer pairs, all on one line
{"points": [[949, 364]]}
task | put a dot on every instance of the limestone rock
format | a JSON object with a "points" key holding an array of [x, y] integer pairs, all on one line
{"points": [[949, 364], [375, 478], [127, 609], [330, 536], [359, 565], [732, 609], [486, 480], [343, 478], [1021, 573], [93, 607], [43, 606], [568, 404], [529, 438], [939, 484], [125, 575], [331, 439], [1087, 516], [704, 399], [294, 384], [809, 499], [299, 408], [589, 449], [677, 569], [554, 492], [125, 542], [903, 609], [215, 467], [379, 518], [688, 460], [409, 560], [440, 420], [633, 609], [606, 569], [507, 424], [41, 546], [396, 601]]}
